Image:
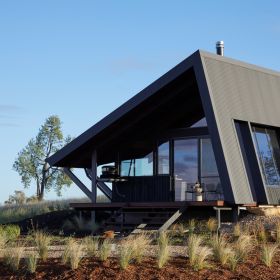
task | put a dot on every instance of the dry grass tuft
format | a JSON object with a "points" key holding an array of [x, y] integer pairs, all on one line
{"points": [[191, 225], [180, 229], [105, 249], [66, 253], [91, 246], [91, 225], [243, 247], [163, 251], [200, 225], [42, 241], [221, 251], [233, 260], [268, 252], [173, 230], [193, 245], [14, 255], [3, 240], [75, 255], [237, 230], [201, 257], [126, 254], [211, 224], [141, 242], [32, 262]]}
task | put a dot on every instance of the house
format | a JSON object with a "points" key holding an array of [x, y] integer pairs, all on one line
{"points": [[210, 119]]}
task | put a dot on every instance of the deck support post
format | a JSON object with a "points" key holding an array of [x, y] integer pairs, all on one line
{"points": [[218, 217], [236, 214], [93, 181]]}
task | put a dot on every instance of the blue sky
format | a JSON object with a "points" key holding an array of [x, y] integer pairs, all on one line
{"points": [[82, 59]]}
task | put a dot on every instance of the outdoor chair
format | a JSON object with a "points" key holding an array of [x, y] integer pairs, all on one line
{"points": [[219, 191], [210, 188]]}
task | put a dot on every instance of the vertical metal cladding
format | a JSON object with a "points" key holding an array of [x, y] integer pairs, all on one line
{"points": [[244, 94]]}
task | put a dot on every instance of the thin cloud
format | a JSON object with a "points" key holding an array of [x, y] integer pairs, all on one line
{"points": [[9, 108], [118, 67], [9, 124]]}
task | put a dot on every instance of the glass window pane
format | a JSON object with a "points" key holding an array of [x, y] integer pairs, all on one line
{"points": [[185, 166], [163, 157], [268, 153], [137, 160], [208, 162]]}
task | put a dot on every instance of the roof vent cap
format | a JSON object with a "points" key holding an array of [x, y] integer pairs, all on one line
{"points": [[220, 48]]}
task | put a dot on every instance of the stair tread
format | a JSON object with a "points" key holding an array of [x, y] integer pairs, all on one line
{"points": [[164, 218], [173, 212]]}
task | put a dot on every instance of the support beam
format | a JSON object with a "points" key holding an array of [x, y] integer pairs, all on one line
{"points": [[218, 217], [78, 183], [236, 214], [93, 175]]}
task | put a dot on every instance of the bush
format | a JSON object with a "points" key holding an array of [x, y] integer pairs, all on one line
{"points": [[268, 252]]}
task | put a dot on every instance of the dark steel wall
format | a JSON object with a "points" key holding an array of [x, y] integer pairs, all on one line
{"points": [[142, 189]]}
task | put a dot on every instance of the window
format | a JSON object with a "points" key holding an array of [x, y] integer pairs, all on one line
{"points": [[138, 160], [163, 157], [268, 151]]}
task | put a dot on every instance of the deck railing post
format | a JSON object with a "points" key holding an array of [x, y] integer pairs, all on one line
{"points": [[93, 180]]}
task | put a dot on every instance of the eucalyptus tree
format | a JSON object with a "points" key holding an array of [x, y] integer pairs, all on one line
{"points": [[31, 165]]}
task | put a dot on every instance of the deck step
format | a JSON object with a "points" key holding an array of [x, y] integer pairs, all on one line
{"points": [[131, 223], [144, 218], [169, 212]]}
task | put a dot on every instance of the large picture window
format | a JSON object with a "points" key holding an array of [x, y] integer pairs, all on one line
{"points": [[268, 151], [163, 157]]}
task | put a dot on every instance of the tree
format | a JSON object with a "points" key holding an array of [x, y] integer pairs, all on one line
{"points": [[19, 198], [31, 165]]}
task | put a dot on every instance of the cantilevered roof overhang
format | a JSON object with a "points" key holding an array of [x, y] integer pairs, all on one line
{"points": [[221, 89]]}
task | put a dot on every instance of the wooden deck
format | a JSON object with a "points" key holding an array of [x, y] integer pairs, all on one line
{"points": [[138, 205]]}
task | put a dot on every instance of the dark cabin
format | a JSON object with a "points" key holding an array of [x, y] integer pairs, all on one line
{"points": [[202, 138]]}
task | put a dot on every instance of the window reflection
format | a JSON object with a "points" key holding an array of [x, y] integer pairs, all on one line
{"points": [[163, 157], [267, 147]]}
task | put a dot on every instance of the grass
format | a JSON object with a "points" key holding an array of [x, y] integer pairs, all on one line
{"points": [[243, 247], [17, 212], [14, 255], [163, 251], [141, 241], [237, 230], [180, 229], [267, 252], [91, 246], [3, 240], [32, 262], [200, 225], [105, 249], [191, 225], [211, 224], [42, 241], [75, 255], [66, 253], [233, 260], [193, 245], [79, 224], [173, 230], [221, 251], [126, 254], [202, 255], [10, 230]]}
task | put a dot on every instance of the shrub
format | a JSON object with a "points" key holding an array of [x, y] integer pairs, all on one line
{"points": [[163, 251], [202, 255], [268, 252], [211, 224], [243, 247], [32, 262], [221, 251], [11, 231], [42, 241], [91, 246], [126, 254], [193, 245], [191, 225], [105, 249], [75, 255]]}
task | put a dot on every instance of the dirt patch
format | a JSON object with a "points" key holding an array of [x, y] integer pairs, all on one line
{"points": [[53, 221], [178, 268]]}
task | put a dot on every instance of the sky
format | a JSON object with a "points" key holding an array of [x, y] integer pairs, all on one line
{"points": [[80, 60]]}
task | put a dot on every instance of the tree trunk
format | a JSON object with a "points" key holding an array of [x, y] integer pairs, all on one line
{"points": [[38, 185]]}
